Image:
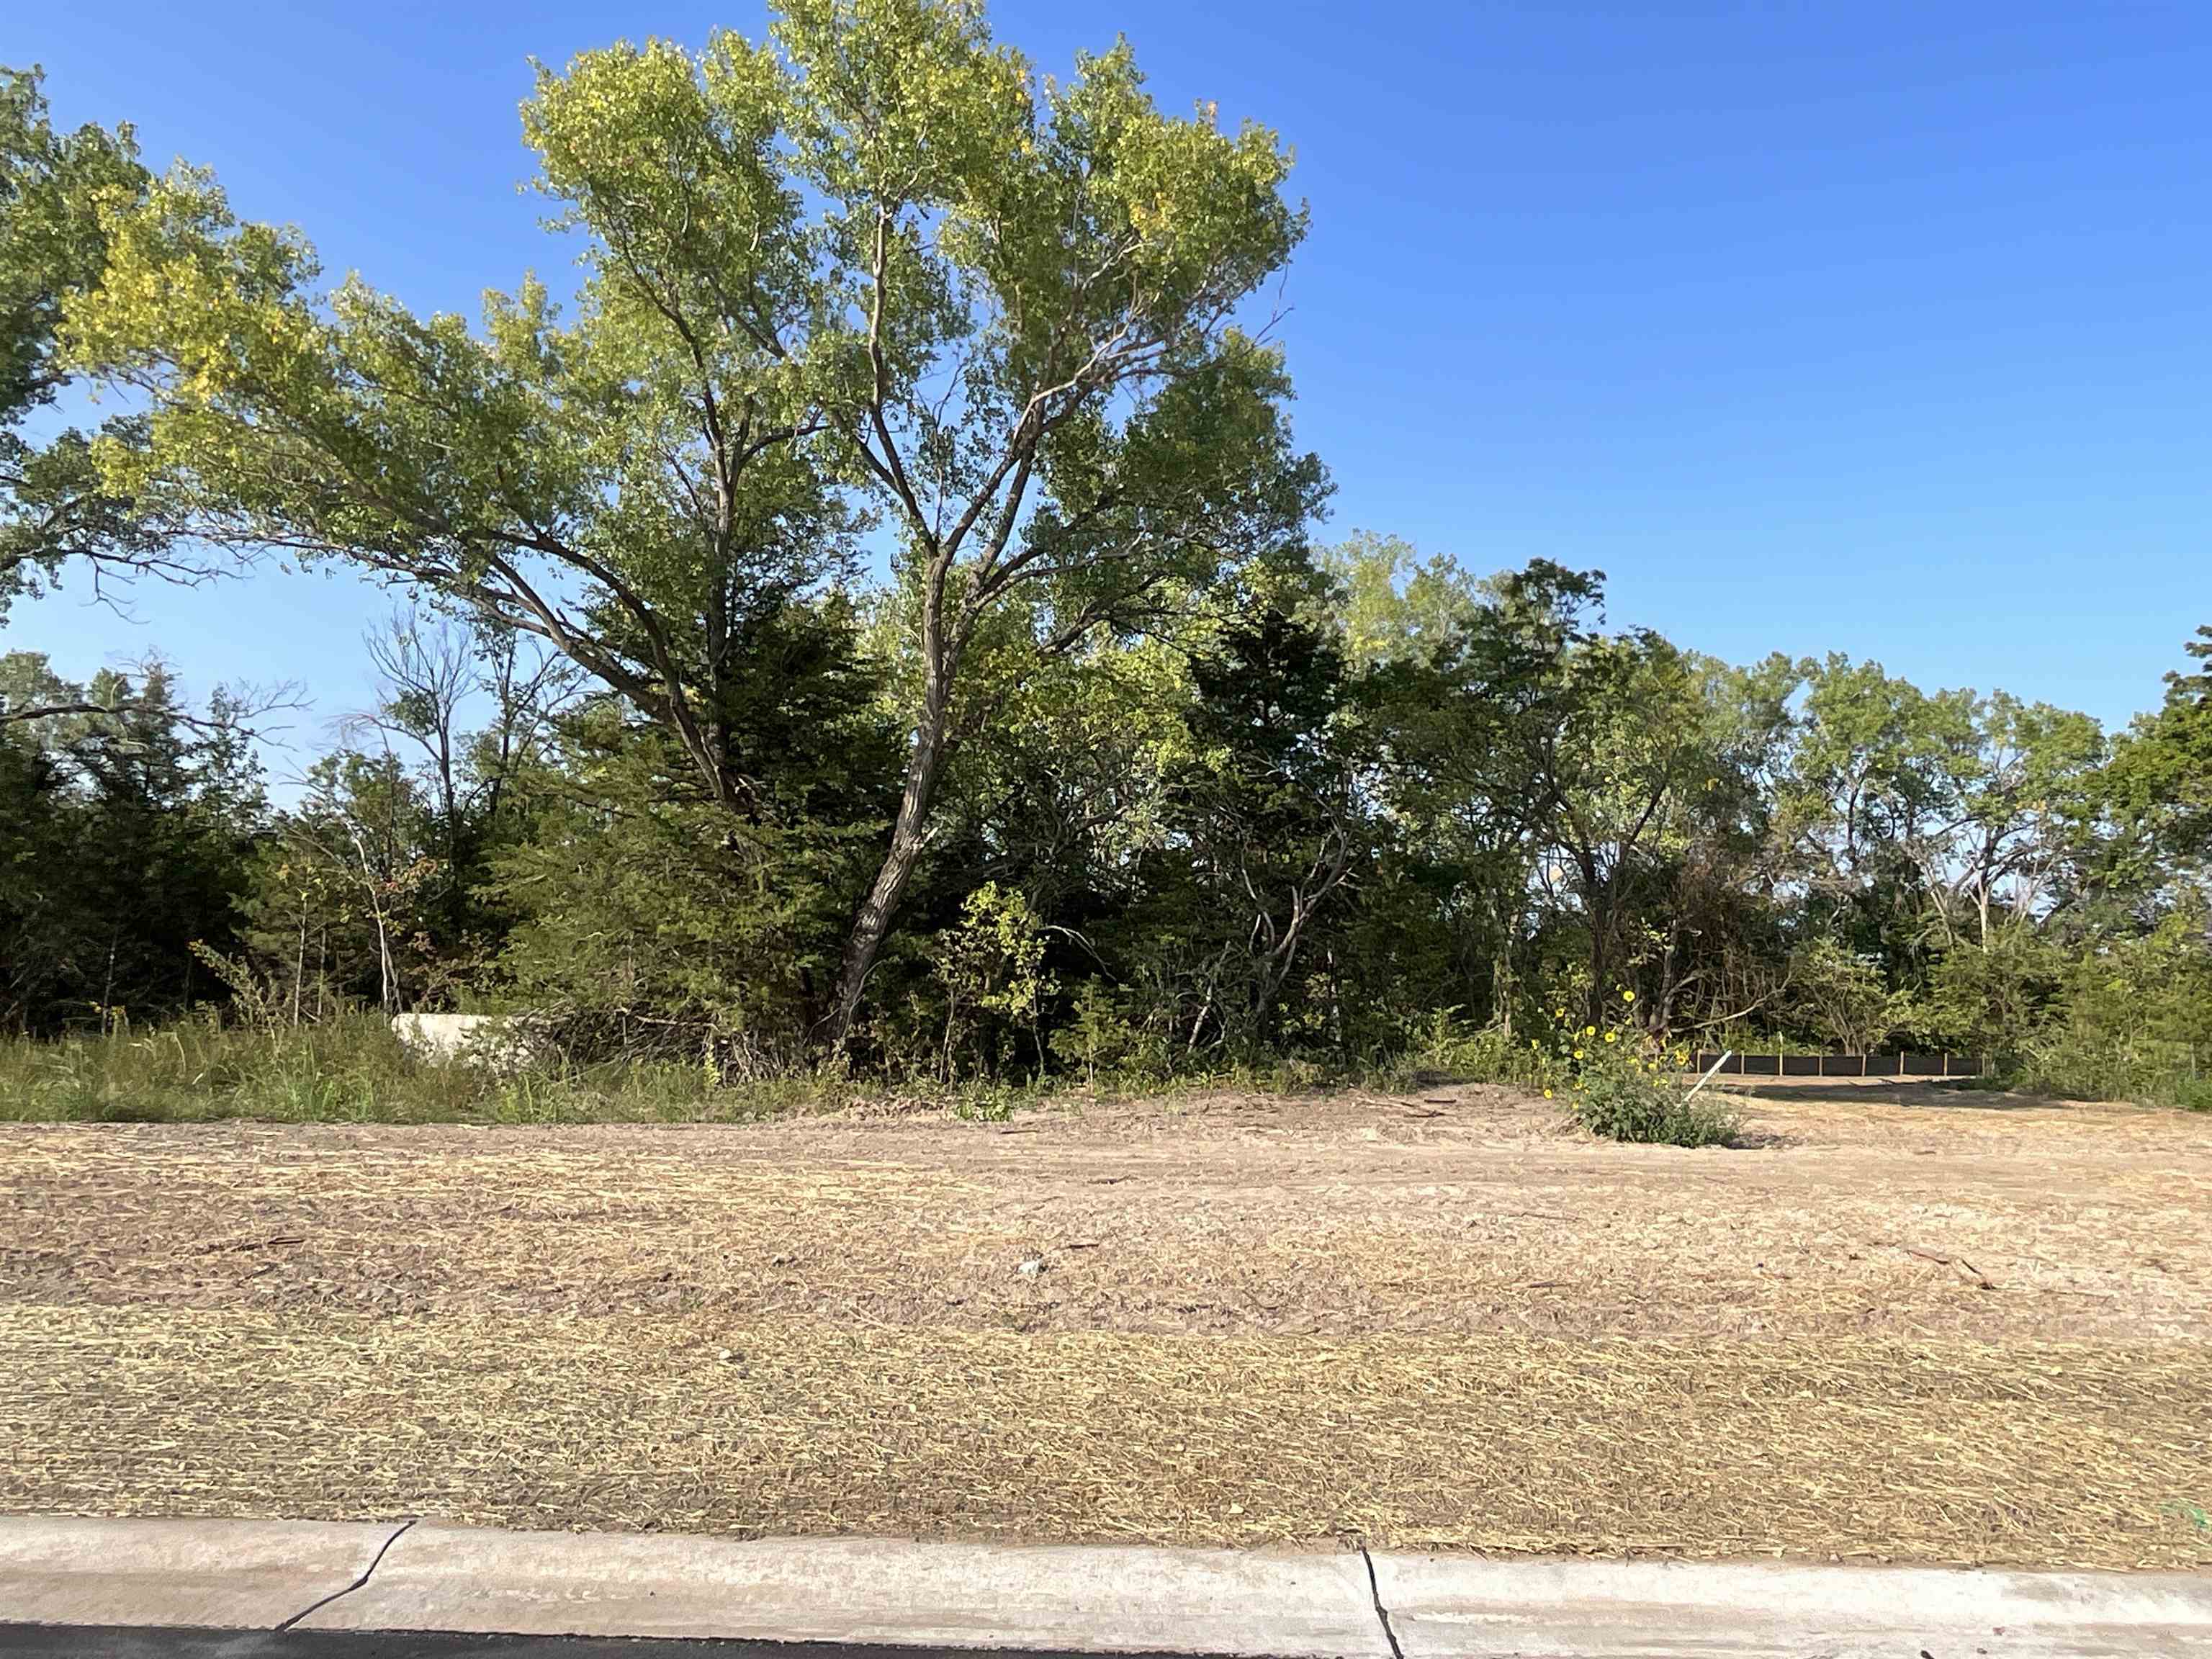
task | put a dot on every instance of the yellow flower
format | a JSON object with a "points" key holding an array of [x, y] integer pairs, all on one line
{"points": [[1547, 1094], [1558, 1013], [1590, 1030], [1613, 1036], [1578, 1054], [1628, 996]]}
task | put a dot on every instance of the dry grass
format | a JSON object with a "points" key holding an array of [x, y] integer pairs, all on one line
{"points": [[1431, 1322], [1958, 1451]]}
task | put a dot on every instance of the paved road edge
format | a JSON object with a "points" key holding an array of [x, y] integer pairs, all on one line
{"points": [[316, 1576]]}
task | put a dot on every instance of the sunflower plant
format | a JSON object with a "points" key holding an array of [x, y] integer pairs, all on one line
{"points": [[1619, 1082]]}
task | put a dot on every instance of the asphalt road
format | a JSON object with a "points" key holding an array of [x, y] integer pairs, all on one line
{"points": [[103, 1642]]}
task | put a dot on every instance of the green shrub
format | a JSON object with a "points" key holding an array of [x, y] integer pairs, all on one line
{"points": [[2073, 1064], [1450, 1047], [1623, 1096], [1099, 1038], [1622, 1085]]}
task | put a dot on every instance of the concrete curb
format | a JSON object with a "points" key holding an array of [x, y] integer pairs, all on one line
{"points": [[58, 1570], [1450, 1607], [794, 1589], [314, 1575]]}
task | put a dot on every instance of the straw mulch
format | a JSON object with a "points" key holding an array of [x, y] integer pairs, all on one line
{"points": [[1426, 1322], [1963, 1453]]}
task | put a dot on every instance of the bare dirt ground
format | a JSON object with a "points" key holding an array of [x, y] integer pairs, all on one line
{"points": [[1938, 1327]]}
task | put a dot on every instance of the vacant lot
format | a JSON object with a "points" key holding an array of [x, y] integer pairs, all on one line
{"points": [[1960, 1329]]}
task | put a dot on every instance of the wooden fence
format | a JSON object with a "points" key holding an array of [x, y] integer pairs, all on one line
{"points": [[1897, 1065]]}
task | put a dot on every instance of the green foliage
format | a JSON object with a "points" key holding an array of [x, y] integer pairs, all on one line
{"points": [[1622, 1084], [1443, 1046], [1111, 774], [55, 505], [1390, 604], [875, 264], [1840, 998], [2130, 1019], [990, 965], [1098, 1035], [125, 838], [346, 1069], [1263, 829], [1613, 1098], [650, 916], [2158, 787], [2072, 1063], [1991, 997]]}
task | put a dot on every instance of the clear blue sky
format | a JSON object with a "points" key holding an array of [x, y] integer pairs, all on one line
{"points": [[1885, 329]]}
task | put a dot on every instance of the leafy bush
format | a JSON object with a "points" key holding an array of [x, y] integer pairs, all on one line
{"points": [[991, 967], [1099, 1037], [2077, 1064], [1450, 1047], [1623, 1098], [1622, 1085]]}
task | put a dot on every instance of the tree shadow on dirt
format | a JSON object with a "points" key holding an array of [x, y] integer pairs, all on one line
{"points": [[1911, 1093]]}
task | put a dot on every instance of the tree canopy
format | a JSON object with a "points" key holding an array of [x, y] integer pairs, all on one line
{"points": [[873, 274]]}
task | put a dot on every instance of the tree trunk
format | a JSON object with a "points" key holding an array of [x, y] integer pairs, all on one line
{"points": [[873, 923], [1659, 1018], [1597, 906], [300, 963]]}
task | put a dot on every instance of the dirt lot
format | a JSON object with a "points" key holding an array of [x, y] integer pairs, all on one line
{"points": [[1956, 1328]]}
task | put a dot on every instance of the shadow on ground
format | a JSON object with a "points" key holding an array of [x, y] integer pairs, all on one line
{"points": [[1894, 1091]]}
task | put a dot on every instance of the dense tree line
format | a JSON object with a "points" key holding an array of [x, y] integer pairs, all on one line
{"points": [[1113, 766], [1347, 807]]}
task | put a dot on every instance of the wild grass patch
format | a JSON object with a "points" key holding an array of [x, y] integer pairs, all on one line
{"points": [[352, 1069]]}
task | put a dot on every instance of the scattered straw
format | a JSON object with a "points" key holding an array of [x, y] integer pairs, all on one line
{"points": [[1941, 1453], [1255, 1322]]}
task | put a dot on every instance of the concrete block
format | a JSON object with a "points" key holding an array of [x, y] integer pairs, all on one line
{"points": [[504, 1042]]}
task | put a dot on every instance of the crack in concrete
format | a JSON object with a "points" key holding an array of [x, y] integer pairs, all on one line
{"points": [[1374, 1591], [369, 1573]]}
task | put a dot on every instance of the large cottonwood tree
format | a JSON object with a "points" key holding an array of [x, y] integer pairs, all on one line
{"points": [[874, 273]]}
